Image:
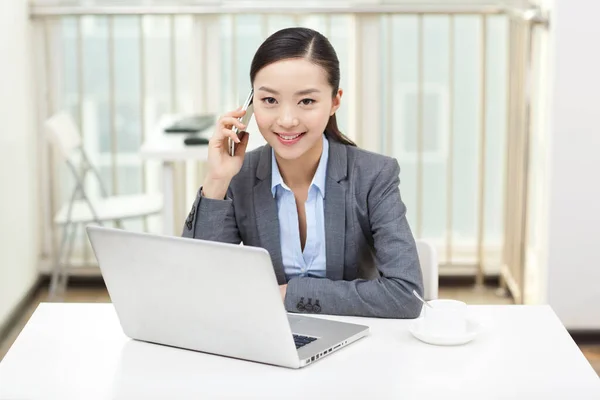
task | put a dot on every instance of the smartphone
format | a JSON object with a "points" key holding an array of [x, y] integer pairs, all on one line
{"points": [[248, 106]]}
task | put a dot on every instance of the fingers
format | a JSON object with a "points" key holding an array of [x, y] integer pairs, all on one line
{"points": [[229, 122], [225, 126], [228, 133], [232, 115], [223, 133], [240, 148]]}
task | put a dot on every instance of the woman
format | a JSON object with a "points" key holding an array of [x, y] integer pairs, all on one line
{"points": [[329, 214]]}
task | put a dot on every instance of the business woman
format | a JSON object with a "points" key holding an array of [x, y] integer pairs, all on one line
{"points": [[329, 213]]}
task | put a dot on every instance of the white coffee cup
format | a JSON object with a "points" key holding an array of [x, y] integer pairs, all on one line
{"points": [[445, 318]]}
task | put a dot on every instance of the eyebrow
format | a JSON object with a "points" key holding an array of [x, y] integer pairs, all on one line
{"points": [[299, 93]]}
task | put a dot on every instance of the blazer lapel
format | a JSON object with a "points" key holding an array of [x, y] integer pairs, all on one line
{"points": [[335, 210], [265, 214]]}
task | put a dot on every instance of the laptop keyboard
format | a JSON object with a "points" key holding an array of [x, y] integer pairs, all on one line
{"points": [[303, 340]]}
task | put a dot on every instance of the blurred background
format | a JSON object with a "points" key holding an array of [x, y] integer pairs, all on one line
{"points": [[490, 108]]}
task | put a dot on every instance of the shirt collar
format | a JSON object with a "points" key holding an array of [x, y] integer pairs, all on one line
{"points": [[318, 180]]}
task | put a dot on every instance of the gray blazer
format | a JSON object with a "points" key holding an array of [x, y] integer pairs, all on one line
{"points": [[372, 263]]}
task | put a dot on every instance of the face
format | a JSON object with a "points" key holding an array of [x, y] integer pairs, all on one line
{"points": [[292, 105]]}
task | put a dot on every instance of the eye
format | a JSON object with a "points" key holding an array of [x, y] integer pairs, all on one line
{"points": [[307, 102], [269, 100]]}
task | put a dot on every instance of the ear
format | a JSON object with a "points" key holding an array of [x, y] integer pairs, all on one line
{"points": [[337, 101]]}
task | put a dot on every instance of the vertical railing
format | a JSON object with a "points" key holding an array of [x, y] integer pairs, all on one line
{"points": [[482, 150], [450, 163], [522, 27], [420, 67], [142, 100], [112, 107]]}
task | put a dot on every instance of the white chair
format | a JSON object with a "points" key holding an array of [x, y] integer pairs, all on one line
{"points": [[81, 209], [429, 267]]}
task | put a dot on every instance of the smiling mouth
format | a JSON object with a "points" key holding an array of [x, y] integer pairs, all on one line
{"points": [[289, 136]]}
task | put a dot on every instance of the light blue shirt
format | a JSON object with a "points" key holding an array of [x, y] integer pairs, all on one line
{"points": [[311, 262]]}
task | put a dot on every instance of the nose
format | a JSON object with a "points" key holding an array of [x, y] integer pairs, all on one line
{"points": [[287, 118]]}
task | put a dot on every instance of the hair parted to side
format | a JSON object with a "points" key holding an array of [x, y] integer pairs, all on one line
{"points": [[310, 45]]}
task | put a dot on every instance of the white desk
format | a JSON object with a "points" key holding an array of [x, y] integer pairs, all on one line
{"points": [[78, 351], [169, 149]]}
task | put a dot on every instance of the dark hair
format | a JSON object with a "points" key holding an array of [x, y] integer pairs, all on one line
{"points": [[312, 46]]}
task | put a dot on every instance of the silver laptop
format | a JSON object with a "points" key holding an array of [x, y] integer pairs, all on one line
{"points": [[211, 297]]}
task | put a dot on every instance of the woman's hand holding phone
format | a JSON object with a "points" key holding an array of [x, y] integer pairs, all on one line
{"points": [[222, 167]]}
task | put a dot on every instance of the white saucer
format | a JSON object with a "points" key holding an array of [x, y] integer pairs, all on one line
{"points": [[473, 329]]}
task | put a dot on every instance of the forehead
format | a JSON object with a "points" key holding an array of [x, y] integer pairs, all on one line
{"points": [[291, 75]]}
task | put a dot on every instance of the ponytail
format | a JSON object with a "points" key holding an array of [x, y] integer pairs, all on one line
{"points": [[333, 132]]}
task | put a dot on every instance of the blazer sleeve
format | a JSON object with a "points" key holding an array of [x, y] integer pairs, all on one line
{"points": [[395, 254], [211, 219]]}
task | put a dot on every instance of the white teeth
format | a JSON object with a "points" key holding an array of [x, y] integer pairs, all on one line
{"points": [[289, 137]]}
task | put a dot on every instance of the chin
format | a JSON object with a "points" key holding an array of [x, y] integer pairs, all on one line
{"points": [[289, 153]]}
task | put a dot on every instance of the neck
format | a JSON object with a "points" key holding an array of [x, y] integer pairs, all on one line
{"points": [[301, 171]]}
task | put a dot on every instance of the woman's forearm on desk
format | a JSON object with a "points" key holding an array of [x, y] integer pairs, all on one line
{"points": [[382, 297]]}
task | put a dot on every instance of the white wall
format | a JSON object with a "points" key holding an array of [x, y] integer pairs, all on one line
{"points": [[573, 248], [18, 168]]}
